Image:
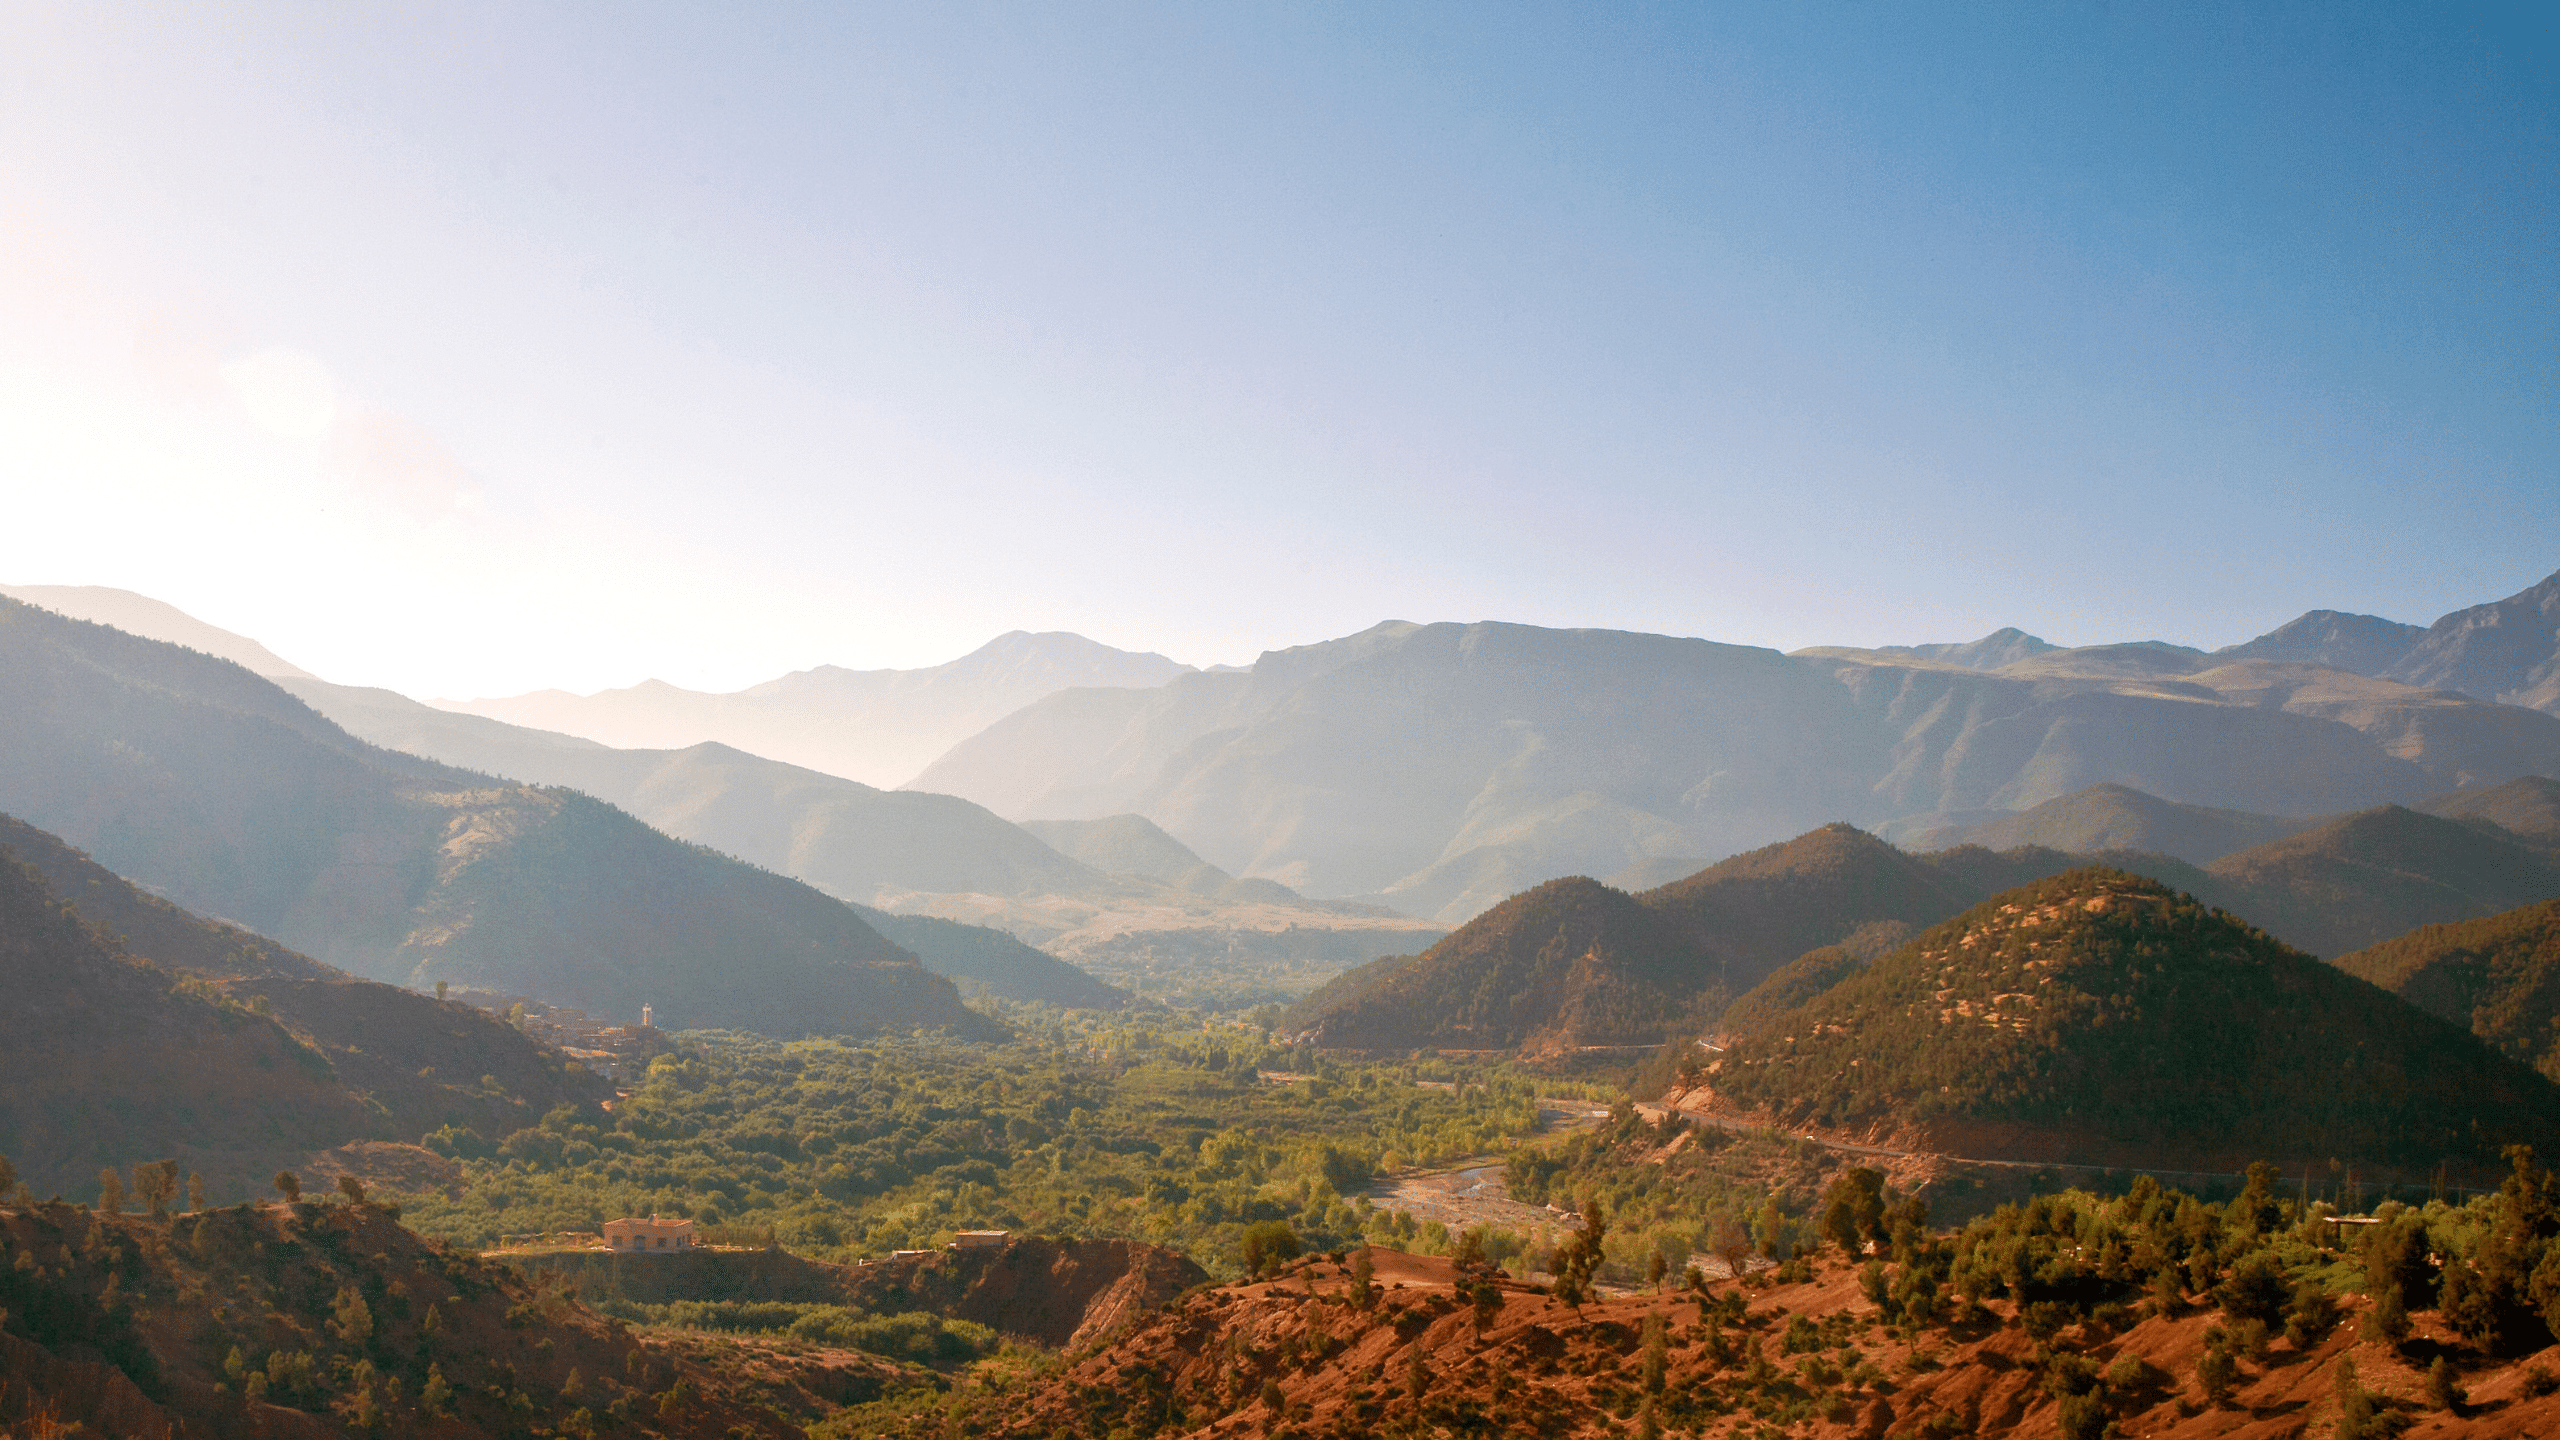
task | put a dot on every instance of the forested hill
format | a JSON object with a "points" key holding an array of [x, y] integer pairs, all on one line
{"points": [[2101, 1017], [216, 789], [1574, 962], [2499, 975]]}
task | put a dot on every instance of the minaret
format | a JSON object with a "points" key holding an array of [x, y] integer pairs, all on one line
{"points": [[645, 1018]]}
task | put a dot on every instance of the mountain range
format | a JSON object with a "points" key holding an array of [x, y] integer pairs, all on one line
{"points": [[1440, 768], [222, 793], [1575, 963], [876, 726]]}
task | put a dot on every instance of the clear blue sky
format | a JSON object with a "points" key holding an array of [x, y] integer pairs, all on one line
{"points": [[468, 348]]}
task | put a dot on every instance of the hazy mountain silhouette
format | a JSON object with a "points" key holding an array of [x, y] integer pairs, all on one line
{"points": [[1441, 768], [2099, 1017], [903, 850], [875, 726], [155, 620], [226, 795], [2508, 650], [2365, 644], [2000, 647], [2530, 806], [2118, 817]]}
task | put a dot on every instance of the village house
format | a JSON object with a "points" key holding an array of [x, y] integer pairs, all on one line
{"points": [[979, 1240], [652, 1234]]}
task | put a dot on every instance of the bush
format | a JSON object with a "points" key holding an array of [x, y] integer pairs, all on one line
{"points": [[917, 1336]]}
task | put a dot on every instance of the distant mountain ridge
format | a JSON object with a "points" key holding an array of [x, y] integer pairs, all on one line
{"points": [[1438, 769], [227, 795], [879, 727]]}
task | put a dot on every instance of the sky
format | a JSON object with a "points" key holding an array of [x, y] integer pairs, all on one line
{"points": [[474, 348]]}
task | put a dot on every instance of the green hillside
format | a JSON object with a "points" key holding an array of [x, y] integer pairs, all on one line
{"points": [[1750, 914], [423, 1062], [219, 791], [2499, 976], [2100, 1017], [1571, 962]]}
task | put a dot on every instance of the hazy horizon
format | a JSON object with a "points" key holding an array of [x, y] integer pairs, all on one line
{"points": [[483, 350]]}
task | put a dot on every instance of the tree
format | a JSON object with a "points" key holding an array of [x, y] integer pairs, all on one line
{"points": [[1657, 1353], [2216, 1374], [157, 1185], [1267, 1244], [2256, 1289], [1655, 1269], [1469, 1254], [289, 1184], [1487, 1300], [1770, 1232], [1853, 1211], [2311, 1316], [440, 987], [1580, 1257], [110, 1192], [1730, 1243], [195, 1191], [352, 1188], [2257, 1210], [436, 1393], [8, 1175], [2388, 1320], [2444, 1389], [351, 1317], [1363, 1294]]}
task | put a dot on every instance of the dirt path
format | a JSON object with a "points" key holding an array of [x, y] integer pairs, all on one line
{"points": [[1926, 1158]]}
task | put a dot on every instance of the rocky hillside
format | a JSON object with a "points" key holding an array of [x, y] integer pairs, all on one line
{"points": [[1440, 1349], [2507, 650], [1054, 1293], [327, 1320], [110, 1058], [2099, 1017], [418, 1062], [215, 789], [2498, 976]]}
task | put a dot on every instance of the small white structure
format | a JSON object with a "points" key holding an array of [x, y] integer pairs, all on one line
{"points": [[648, 1018], [653, 1235], [980, 1239]]}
